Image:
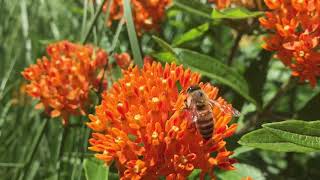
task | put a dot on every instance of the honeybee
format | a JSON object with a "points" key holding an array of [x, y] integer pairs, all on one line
{"points": [[200, 107]]}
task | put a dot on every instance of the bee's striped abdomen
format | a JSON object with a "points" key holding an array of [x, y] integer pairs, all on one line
{"points": [[205, 123]]}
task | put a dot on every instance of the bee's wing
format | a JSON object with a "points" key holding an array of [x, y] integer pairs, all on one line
{"points": [[224, 108], [192, 114]]}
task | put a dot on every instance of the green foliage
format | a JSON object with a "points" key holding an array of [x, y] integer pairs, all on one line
{"points": [[132, 34], [234, 13], [299, 132], [216, 70], [194, 7], [191, 34], [263, 139], [243, 170], [286, 136], [95, 170]]}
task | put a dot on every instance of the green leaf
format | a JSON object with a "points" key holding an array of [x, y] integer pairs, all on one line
{"points": [[242, 171], [194, 7], [241, 150], [166, 57], [310, 110], [191, 34], [264, 139], [95, 170], [215, 69], [163, 44], [234, 13], [299, 132], [194, 175], [134, 43]]}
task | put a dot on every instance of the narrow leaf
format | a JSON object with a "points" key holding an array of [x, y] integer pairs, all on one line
{"points": [[194, 7], [234, 13], [95, 170], [165, 57], [134, 43], [298, 132], [216, 70], [263, 139], [163, 44], [191, 34]]}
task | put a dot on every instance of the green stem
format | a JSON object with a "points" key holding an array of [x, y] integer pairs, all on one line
{"points": [[93, 23], [34, 147], [60, 148], [234, 48]]}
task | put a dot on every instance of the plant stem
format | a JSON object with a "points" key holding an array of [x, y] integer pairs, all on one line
{"points": [[93, 23], [60, 148], [34, 147], [284, 88], [253, 122], [234, 48]]}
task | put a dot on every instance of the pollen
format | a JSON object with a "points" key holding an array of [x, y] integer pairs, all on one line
{"points": [[136, 168], [286, 27], [118, 140], [301, 53], [154, 135], [155, 99], [137, 117], [128, 84], [175, 128]]}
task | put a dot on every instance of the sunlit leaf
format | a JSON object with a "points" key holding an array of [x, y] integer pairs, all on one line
{"points": [[214, 69], [264, 139], [298, 132], [234, 13], [192, 34], [164, 57], [242, 171], [95, 170]]}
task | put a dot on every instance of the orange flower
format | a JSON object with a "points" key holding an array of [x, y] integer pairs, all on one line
{"points": [[123, 60], [142, 126], [221, 4], [147, 14], [62, 81], [295, 38]]}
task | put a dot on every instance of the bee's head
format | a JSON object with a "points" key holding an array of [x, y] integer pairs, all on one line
{"points": [[193, 88]]}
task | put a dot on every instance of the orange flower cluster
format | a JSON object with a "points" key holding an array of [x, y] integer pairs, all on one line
{"points": [[123, 60], [296, 27], [142, 126], [221, 4], [62, 81], [147, 14]]}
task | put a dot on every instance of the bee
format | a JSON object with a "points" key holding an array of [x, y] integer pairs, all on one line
{"points": [[200, 107]]}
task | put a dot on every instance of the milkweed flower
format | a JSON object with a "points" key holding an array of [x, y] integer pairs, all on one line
{"points": [[62, 80], [123, 60], [147, 14], [294, 36], [142, 127], [221, 4]]}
